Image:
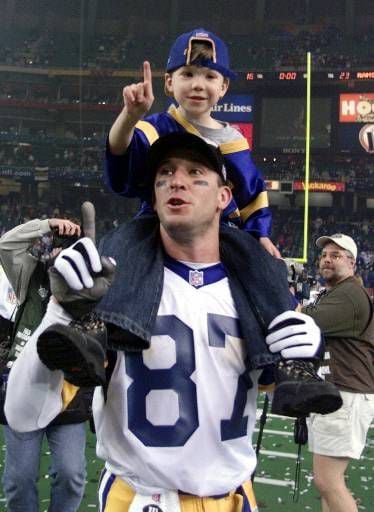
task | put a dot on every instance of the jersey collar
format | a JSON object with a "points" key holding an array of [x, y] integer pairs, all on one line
{"points": [[196, 277]]}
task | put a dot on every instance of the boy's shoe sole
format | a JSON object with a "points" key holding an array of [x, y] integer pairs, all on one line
{"points": [[79, 353], [300, 398]]}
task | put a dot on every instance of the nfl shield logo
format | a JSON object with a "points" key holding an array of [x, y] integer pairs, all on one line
{"points": [[43, 292], [196, 277]]}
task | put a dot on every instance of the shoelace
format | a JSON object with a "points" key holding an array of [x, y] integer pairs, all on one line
{"points": [[305, 368], [89, 322]]}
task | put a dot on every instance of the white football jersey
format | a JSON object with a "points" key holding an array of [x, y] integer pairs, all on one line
{"points": [[180, 415]]}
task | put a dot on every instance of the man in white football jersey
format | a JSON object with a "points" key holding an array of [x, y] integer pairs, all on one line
{"points": [[174, 421]]}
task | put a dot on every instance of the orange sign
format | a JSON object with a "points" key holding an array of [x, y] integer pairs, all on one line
{"points": [[272, 184], [321, 186]]}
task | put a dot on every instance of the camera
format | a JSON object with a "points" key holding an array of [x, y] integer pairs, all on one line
{"points": [[299, 280], [63, 241]]}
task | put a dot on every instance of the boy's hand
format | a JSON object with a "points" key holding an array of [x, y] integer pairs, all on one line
{"points": [[269, 246], [138, 98]]}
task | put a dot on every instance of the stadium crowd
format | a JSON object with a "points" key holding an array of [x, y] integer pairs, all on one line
{"points": [[356, 173], [279, 47], [287, 232], [66, 155], [13, 211], [70, 154]]}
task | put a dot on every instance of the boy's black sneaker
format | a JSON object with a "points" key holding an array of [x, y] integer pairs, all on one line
{"points": [[299, 391], [78, 349]]}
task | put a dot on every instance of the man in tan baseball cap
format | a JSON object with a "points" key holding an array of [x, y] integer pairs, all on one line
{"points": [[343, 241], [344, 313]]}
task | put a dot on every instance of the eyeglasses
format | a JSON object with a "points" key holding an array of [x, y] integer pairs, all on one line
{"points": [[336, 256]]}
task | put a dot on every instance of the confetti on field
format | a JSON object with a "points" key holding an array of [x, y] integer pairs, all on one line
{"points": [[277, 469], [274, 487]]}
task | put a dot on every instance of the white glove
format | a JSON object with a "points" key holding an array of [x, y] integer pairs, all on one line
{"points": [[77, 263], [80, 277], [295, 335]]}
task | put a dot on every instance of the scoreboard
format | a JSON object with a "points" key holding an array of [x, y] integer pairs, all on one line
{"points": [[364, 75]]}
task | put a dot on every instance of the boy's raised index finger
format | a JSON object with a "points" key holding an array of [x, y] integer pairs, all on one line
{"points": [[147, 73]]}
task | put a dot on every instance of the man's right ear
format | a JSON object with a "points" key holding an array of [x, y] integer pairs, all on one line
{"points": [[168, 86], [225, 196]]}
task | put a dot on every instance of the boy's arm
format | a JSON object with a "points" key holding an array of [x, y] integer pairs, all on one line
{"points": [[269, 246], [123, 173], [250, 195], [138, 99]]}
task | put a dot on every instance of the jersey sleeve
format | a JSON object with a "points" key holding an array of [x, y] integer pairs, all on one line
{"points": [[252, 211], [35, 395], [126, 174]]}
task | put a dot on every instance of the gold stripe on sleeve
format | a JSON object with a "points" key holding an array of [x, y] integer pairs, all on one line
{"points": [[234, 146], [261, 201], [235, 214], [149, 131]]}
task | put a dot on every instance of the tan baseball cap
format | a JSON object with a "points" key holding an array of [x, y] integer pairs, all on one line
{"points": [[343, 241]]}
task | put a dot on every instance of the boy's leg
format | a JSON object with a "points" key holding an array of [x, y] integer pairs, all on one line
{"points": [[68, 466], [21, 469]]}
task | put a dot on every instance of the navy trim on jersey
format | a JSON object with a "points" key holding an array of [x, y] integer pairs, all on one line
{"points": [[246, 507], [107, 487], [196, 277]]}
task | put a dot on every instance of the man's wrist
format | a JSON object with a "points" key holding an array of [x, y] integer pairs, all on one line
{"points": [[56, 313]]}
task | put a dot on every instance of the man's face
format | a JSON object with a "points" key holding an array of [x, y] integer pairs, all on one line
{"points": [[335, 264], [189, 197]]}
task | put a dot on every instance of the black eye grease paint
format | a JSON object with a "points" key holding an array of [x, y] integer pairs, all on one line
{"points": [[201, 182], [160, 183]]}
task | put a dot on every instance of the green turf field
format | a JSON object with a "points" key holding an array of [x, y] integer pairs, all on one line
{"points": [[274, 479]]}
